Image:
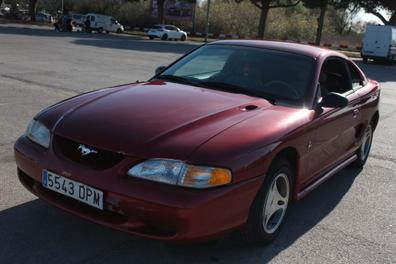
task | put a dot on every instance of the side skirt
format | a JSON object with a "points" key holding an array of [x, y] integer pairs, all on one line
{"points": [[326, 176]]}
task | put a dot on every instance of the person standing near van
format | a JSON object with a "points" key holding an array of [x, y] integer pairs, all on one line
{"points": [[87, 25]]}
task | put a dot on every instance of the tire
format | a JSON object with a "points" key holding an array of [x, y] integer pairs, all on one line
{"points": [[365, 60], [151, 37], [119, 31], [164, 37], [100, 30], [364, 150], [264, 224], [183, 38]]}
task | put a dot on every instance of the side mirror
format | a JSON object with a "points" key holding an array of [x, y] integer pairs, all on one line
{"points": [[159, 69], [334, 100]]}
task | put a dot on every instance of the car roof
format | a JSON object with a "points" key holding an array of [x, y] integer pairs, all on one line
{"points": [[297, 48], [163, 25]]}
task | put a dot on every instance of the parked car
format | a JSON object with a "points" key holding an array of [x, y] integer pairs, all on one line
{"points": [[44, 17], [379, 43], [78, 19], [165, 32], [224, 138], [102, 23]]}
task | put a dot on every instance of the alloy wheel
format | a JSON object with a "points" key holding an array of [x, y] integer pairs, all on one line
{"points": [[276, 203], [366, 145]]}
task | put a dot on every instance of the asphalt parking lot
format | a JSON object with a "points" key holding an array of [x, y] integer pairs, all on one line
{"points": [[349, 219]]}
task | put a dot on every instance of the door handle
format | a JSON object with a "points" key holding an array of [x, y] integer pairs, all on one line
{"points": [[355, 113]]}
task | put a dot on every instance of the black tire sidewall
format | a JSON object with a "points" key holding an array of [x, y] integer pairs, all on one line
{"points": [[359, 162], [164, 37]]}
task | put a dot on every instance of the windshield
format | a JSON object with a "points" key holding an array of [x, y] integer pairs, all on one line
{"points": [[274, 75]]}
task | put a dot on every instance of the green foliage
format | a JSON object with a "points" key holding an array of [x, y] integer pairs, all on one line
{"points": [[294, 23], [374, 7]]}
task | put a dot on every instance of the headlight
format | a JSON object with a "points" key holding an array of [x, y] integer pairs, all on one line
{"points": [[176, 172], [38, 133]]}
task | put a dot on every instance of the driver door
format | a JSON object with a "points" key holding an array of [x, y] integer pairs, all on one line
{"points": [[335, 129]]}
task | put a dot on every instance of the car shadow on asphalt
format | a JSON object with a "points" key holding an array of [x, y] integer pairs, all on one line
{"points": [[40, 233], [112, 41]]}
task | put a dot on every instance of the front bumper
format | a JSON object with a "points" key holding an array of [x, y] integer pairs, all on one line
{"points": [[139, 207], [154, 34]]}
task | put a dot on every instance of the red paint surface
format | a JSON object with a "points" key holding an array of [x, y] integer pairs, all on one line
{"points": [[199, 126]]}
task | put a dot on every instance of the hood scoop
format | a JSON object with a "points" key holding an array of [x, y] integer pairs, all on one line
{"points": [[249, 107]]}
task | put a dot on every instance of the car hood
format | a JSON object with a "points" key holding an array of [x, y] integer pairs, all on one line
{"points": [[158, 118]]}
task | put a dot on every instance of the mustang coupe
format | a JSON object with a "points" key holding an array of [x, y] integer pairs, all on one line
{"points": [[225, 138]]}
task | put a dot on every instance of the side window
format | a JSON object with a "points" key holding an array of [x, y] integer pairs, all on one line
{"points": [[92, 18], [394, 38], [356, 78], [334, 77]]}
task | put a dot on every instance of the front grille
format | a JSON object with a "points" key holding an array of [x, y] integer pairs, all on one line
{"points": [[69, 149]]}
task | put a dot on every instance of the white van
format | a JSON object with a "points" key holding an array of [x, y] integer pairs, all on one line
{"points": [[102, 23], [379, 43]]}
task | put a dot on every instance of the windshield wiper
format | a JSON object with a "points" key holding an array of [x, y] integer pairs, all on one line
{"points": [[177, 79], [236, 89]]}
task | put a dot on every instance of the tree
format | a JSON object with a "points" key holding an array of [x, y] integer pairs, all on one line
{"points": [[374, 7], [342, 19], [32, 9], [160, 4], [322, 5], [265, 6]]}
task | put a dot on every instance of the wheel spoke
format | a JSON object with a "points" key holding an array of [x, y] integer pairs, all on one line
{"points": [[276, 203]]}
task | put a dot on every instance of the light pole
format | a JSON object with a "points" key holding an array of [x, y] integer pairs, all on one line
{"points": [[207, 22], [62, 8]]}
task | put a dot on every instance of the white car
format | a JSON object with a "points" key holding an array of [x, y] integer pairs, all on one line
{"points": [[102, 23], [165, 32], [44, 17], [78, 19]]}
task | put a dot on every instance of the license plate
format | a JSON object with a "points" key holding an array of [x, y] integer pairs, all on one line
{"points": [[72, 189]]}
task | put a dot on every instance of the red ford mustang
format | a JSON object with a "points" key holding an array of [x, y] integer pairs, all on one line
{"points": [[224, 138]]}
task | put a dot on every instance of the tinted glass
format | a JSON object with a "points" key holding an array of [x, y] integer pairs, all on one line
{"points": [[334, 77], [266, 73], [356, 78], [394, 37]]}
